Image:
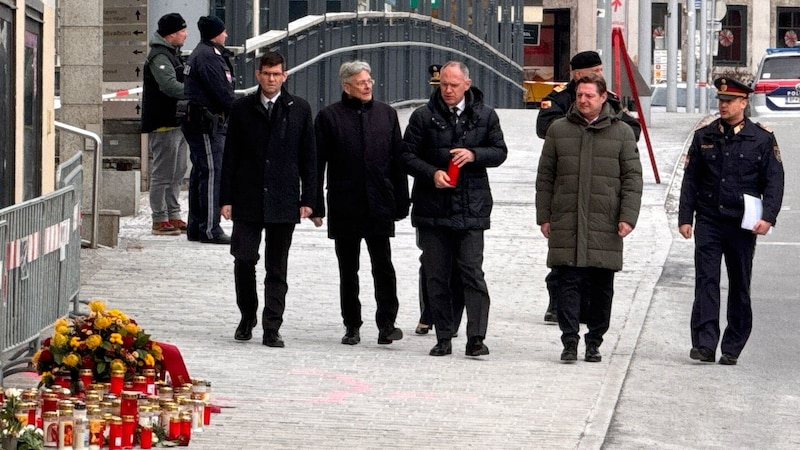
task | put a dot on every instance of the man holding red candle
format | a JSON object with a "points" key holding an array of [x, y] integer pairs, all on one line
{"points": [[451, 211]]}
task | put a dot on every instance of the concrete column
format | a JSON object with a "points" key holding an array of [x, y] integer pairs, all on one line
{"points": [[81, 52], [691, 27], [645, 52], [672, 55]]}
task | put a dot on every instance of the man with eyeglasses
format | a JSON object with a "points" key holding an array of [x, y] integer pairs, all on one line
{"points": [[450, 142], [269, 182], [360, 142]]}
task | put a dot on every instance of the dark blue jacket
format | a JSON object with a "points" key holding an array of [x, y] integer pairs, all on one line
{"points": [[209, 80], [722, 167]]}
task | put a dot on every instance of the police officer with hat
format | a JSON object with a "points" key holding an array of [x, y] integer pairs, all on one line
{"points": [[729, 158]]}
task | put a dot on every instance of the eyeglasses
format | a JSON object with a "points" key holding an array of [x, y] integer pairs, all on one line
{"points": [[271, 74], [362, 83]]}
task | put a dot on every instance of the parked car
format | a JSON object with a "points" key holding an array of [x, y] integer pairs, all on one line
{"points": [[776, 88]]}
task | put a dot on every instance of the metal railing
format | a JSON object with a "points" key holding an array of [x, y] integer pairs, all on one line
{"points": [[39, 267], [398, 46]]}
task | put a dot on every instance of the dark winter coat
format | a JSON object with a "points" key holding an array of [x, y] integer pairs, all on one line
{"points": [[589, 180], [429, 137], [361, 145], [556, 104], [209, 80], [269, 168], [720, 170]]}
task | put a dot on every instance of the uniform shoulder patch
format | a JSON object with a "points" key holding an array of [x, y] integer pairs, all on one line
{"points": [[545, 104], [777, 152], [764, 127], [559, 88]]}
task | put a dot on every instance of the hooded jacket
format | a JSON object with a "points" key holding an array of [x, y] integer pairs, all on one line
{"points": [[431, 133], [589, 180]]}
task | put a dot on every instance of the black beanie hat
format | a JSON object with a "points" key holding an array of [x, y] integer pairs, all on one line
{"points": [[210, 27], [170, 23], [584, 60]]}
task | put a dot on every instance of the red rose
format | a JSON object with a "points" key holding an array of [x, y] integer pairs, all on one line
{"points": [[45, 356], [127, 342], [87, 362], [46, 342]]}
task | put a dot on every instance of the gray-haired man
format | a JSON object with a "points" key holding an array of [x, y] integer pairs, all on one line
{"points": [[359, 140]]}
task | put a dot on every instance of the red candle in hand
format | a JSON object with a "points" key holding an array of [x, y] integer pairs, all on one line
{"points": [[452, 172]]}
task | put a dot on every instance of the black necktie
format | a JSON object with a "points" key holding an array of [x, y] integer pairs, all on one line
{"points": [[269, 109]]}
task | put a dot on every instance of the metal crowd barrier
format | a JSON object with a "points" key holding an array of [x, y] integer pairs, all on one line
{"points": [[40, 243]]}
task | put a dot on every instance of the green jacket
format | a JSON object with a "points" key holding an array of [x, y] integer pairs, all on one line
{"points": [[589, 180]]}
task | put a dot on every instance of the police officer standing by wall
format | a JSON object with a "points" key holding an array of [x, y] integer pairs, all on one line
{"points": [[163, 87], [209, 87], [729, 158]]}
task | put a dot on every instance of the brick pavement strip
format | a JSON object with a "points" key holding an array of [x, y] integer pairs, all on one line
{"points": [[317, 393]]}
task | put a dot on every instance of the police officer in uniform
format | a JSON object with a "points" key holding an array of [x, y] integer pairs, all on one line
{"points": [[555, 106], [729, 158], [209, 86]]}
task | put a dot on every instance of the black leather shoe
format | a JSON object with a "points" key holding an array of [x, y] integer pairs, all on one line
{"points": [[221, 239], [389, 335], [550, 317], [244, 332], [728, 360], [422, 330], [442, 347], [272, 339], [351, 337], [592, 354], [476, 347], [702, 354], [570, 352]]}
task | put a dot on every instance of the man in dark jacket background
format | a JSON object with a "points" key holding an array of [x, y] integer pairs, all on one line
{"points": [[269, 182], [360, 142], [588, 195], [163, 87], [209, 86], [455, 129], [555, 106]]}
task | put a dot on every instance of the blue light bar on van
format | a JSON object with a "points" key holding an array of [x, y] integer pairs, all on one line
{"points": [[772, 50]]}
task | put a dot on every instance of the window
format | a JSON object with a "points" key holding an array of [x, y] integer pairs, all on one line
{"points": [[32, 137], [732, 50], [788, 27], [7, 115], [660, 22]]}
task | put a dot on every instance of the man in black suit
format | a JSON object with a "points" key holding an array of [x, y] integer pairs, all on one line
{"points": [[268, 184]]}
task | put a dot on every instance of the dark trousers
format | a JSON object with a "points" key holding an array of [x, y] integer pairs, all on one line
{"points": [[348, 253], [245, 243], [713, 240], [445, 250], [574, 283], [205, 152], [425, 316]]}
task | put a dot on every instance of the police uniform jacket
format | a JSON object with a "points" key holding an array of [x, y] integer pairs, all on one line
{"points": [[589, 180], [269, 168], [722, 168], [556, 104], [209, 79], [163, 85], [361, 144], [430, 135]]}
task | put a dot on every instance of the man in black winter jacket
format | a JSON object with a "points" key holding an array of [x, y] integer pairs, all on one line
{"points": [[163, 87], [209, 86], [359, 140], [269, 183], [449, 144]]}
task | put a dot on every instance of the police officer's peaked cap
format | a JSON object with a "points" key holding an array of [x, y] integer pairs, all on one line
{"points": [[584, 60], [731, 88], [170, 23], [210, 27]]}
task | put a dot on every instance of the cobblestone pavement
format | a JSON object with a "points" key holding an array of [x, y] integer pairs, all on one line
{"points": [[317, 393]]}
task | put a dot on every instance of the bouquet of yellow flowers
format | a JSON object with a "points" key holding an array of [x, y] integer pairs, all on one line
{"points": [[103, 341]]}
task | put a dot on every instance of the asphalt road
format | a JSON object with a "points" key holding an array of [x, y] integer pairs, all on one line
{"points": [[669, 401]]}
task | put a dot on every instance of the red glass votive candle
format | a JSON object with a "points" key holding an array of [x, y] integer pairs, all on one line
{"points": [[150, 381], [87, 378], [128, 427], [174, 428], [115, 434], [207, 414], [146, 438], [117, 382], [452, 172], [186, 429]]}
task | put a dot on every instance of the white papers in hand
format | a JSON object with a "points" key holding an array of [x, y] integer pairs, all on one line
{"points": [[753, 208]]}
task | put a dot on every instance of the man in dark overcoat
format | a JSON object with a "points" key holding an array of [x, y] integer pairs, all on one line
{"points": [[359, 141], [269, 182]]}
